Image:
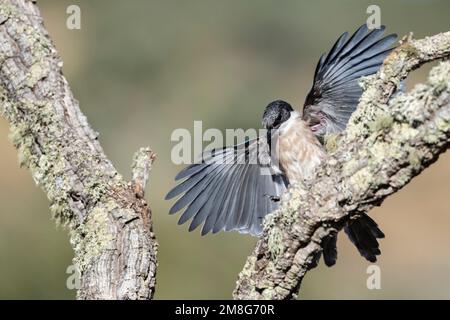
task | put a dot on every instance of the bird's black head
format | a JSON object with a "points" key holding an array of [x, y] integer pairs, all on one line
{"points": [[276, 113]]}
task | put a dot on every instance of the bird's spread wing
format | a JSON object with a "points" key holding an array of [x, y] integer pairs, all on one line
{"points": [[335, 92], [229, 190]]}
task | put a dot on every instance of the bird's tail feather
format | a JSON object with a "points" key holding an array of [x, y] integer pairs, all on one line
{"points": [[363, 233]]}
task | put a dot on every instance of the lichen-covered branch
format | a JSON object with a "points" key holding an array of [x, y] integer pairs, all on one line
{"points": [[387, 142], [109, 221], [142, 164]]}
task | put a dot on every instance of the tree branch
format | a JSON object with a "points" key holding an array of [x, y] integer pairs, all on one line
{"points": [[142, 164], [109, 221], [387, 143]]}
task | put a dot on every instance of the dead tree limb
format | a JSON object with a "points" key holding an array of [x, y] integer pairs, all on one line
{"points": [[386, 144], [109, 221]]}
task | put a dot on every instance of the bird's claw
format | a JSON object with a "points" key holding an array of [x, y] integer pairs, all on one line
{"points": [[273, 198]]}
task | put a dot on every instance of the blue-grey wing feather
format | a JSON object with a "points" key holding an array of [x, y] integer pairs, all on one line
{"points": [[230, 194], [335, 93]]}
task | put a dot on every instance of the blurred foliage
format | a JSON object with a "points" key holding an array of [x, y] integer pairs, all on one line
{"points": [[140, 69]]}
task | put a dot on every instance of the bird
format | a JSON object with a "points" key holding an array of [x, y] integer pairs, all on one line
{"points": [[233, 188]]}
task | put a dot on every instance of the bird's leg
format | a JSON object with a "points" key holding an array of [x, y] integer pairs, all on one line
{"points": [[273, 198]]}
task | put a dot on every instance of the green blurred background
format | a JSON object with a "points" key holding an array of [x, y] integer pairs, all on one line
{"points": [[141, 69]]}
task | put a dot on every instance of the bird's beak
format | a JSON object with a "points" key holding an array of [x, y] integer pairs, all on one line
{"points": [[314, 121]]}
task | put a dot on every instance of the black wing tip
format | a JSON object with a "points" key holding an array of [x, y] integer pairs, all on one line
{"points": [[380, 28], [169, 195], [173, 210], [182, 220], [179, 189], [188, 171], [182, 174], [392, 36], [192, 227], [362, 26]]}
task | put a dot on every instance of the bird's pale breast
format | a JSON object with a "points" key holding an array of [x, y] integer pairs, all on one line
{"points": [[299, 151]]}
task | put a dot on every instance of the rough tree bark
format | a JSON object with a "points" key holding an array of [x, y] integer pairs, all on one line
{"points": [[109, 220], [386, 144]]}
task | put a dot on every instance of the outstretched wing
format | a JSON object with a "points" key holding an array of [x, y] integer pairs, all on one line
{"points": [[335, 93], [229, 190]]}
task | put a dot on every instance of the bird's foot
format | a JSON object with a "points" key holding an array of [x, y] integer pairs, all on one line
{"points": [[273, 198]]}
